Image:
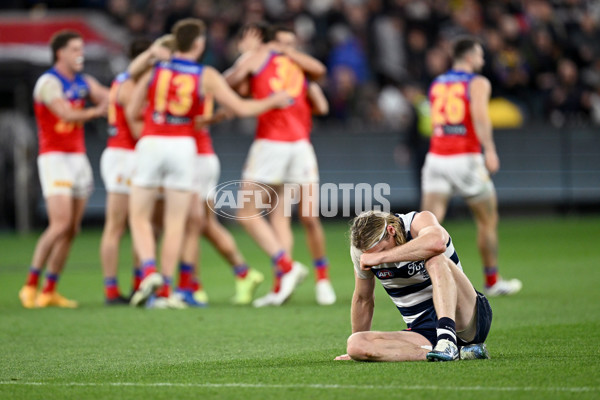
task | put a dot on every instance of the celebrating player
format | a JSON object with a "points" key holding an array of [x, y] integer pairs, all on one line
{"points": [[461, 127], [281, 152], [116, 166], [64, 169], [414, 258], [175, 91]]}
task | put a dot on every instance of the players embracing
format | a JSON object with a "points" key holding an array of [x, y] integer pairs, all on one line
{"points": [[282, 153]]}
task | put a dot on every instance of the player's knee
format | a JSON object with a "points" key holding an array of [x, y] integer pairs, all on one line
{"points": [[309, 222], [357, 347], [437, 265]]}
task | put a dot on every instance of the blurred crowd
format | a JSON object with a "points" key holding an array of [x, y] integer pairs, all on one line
{"points": [[543, 56]]}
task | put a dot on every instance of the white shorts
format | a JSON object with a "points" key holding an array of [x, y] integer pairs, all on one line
{"points": [[65, 174], [274, 162], [116, 169], [206, 173], [463, 174], [165, 161]]}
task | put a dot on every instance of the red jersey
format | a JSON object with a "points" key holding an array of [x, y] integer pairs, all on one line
{"points": [[54, 134], [119, 134], [453, 131], [174, 99], [202, 136], [289, 124]]}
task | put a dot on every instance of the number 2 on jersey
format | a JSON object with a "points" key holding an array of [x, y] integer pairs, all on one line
{"points": [[181, 103], [289, 77], [448, 106]]}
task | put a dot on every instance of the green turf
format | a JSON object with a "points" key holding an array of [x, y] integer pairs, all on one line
{"points": [[543, 343]]}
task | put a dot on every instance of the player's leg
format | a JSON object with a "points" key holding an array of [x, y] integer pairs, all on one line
{"points": [[437, 203], [141, 208], [388, 346], [190, 251], [282, 224], [60, 212], [454, 299], [246, 279], [435, 187], [267, 162], [482, 200], [308, 212], [58, 257], [114, 226], [177, 206]]}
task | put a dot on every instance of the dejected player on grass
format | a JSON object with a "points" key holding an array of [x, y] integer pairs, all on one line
{"points": [[414, 258]]}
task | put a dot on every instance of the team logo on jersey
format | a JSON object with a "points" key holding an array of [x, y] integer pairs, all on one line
{"points": [[228, 198], [384, 274]]}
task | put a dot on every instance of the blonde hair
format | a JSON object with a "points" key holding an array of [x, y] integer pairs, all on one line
{"points": [[367, 228]]}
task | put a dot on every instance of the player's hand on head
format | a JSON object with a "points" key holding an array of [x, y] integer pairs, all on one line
{"points": [[343, 357], [368, 260], [161, 48]]}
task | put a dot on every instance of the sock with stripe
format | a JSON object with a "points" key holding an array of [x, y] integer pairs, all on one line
{"points": [[33, 276], [186, 275], [111, 288], [240, 271], [165, 290], [50, 284], [148, 267], [491, 276], [446, 329], [282, 263], [137, 278], [321, 268]]}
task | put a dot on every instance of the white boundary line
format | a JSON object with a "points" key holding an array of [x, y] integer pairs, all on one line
{"points": [[312, 386]]}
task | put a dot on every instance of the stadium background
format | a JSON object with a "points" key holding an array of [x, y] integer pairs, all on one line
{"points": [[542, 57]]}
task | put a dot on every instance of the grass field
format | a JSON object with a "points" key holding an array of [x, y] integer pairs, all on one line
{"points": [[544, 342]]}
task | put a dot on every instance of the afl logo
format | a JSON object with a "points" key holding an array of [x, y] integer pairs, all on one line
{"points": [[229, 197], [385, 274]]}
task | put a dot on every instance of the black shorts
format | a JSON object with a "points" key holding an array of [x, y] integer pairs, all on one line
{"points": [[425, 324]]}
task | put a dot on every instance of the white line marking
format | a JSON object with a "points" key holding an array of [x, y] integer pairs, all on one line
{"points": [[313, 386]]}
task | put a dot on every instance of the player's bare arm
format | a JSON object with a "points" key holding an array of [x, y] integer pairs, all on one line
{"points": [[313, 68], [318, 101], [429, 240], [361, 311], [52, 95], [241, 70], [363, 303], [480, 91], [160, 50], [213, 83], [135, 106]]}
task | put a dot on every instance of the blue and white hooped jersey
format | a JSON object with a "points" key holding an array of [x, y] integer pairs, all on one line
{"points": [[407, 283]]}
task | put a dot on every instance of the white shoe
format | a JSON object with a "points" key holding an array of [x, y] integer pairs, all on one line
{"points": [[503, 288], [147, 287], [173, 302], [266, 300], [324, 292], [289, 282]]}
